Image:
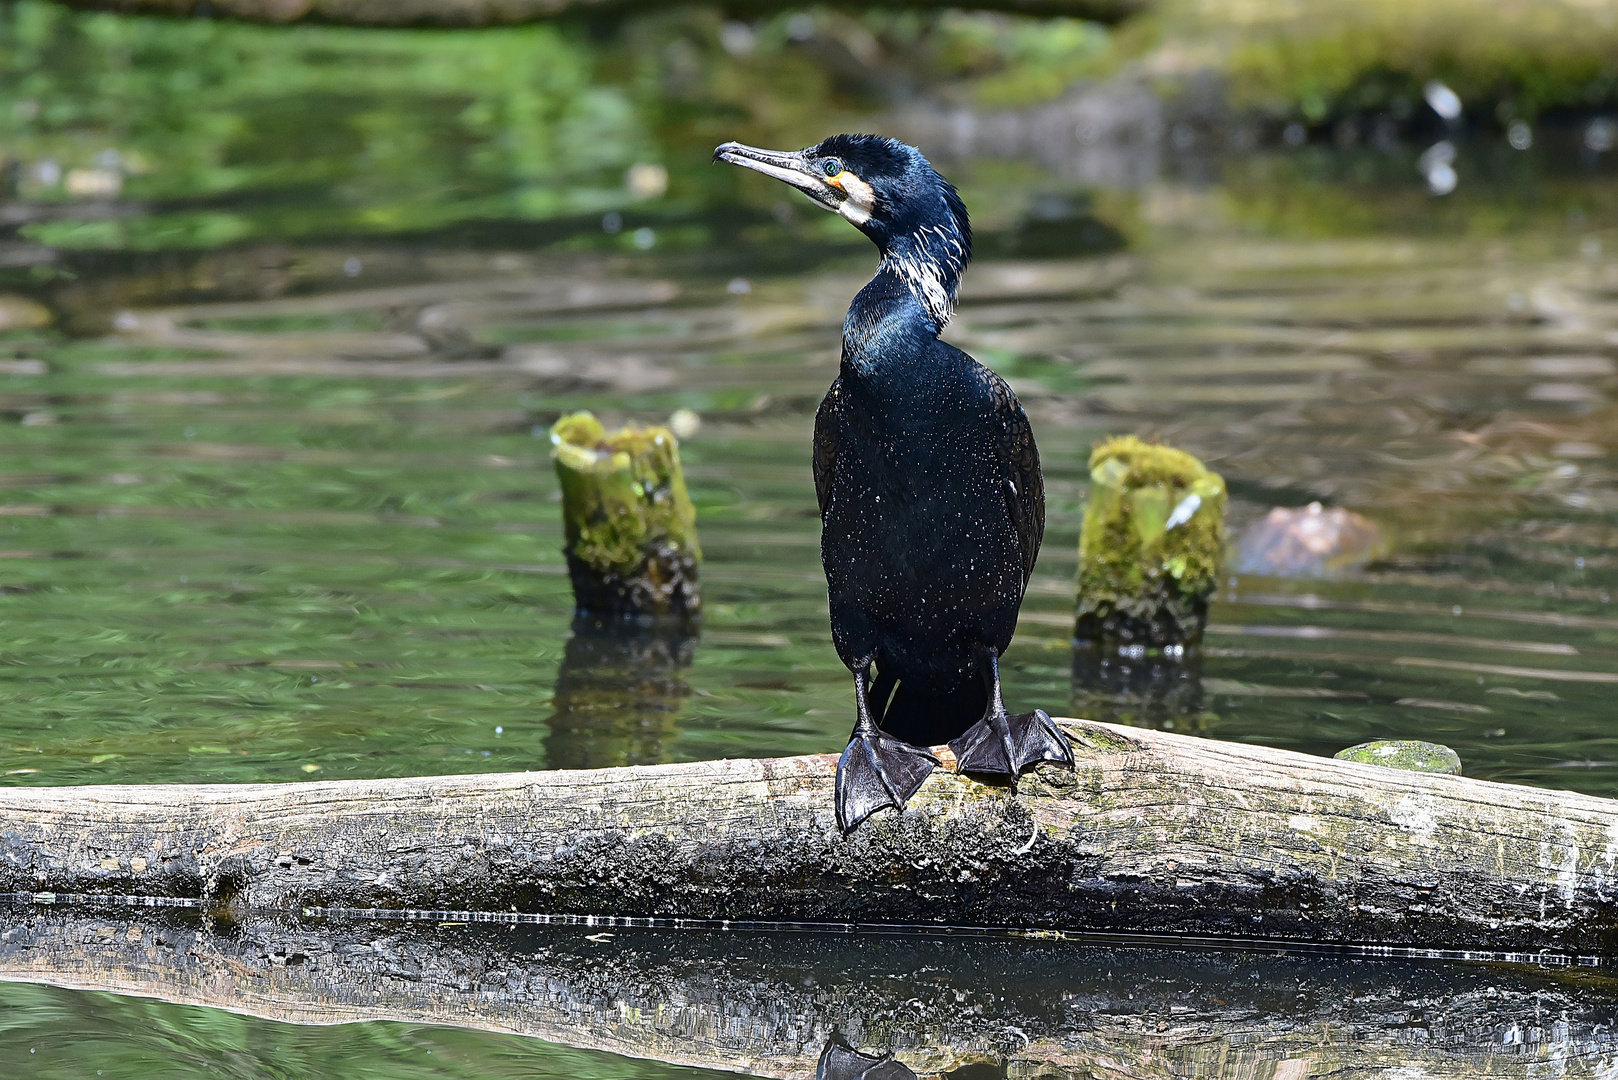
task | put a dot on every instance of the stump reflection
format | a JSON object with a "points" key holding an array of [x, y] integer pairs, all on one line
{"points": [[619, 693], [1142, 688]]}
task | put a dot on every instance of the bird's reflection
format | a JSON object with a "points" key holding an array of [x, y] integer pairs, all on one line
{"points": [[619, 693], [1149, 689], [840, 1061]]}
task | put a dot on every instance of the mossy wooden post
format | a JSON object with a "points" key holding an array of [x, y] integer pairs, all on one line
{"points": [[630, 529], [1150, 547]]}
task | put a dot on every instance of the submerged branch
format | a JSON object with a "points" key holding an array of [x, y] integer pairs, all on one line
{"points": [[1152, 832]]}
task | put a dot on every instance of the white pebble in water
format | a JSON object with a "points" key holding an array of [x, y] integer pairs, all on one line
{"points": [[1442, 180], [647, 180], [1437, 164], [737, 38], [685, 423], [1601, 135], [1443, 101]]}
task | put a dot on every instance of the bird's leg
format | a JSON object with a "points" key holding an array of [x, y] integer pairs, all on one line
{"points": [[876, 770], [1005, 745]]}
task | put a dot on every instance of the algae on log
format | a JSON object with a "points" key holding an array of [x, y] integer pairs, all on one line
{"points": [[766, 1004], [1412, 754], [1151, 832], [1149, 548], [630, 529]]}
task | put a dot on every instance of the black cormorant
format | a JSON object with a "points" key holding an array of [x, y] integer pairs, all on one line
{"points": [[931, 498]]}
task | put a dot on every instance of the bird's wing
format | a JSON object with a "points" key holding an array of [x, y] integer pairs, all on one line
{"points": [[826, 442], [1025, 484]]}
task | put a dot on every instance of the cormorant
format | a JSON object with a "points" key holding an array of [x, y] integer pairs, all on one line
{"points": [[931, 499]]}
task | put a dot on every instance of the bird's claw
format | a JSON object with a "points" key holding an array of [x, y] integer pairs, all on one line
{"points": [[878, 770], [1004, 745]]}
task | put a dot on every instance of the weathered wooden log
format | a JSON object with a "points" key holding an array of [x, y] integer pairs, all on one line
{"points": [[1151, 832], [471, 13], [767, 1004]]}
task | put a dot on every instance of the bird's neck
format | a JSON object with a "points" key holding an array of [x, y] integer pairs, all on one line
{"points": [[887, 329], [929, 261], [901, 311]]}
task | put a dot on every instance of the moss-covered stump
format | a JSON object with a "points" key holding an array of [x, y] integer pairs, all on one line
{"points": [[1150, 547], [630, 529]]}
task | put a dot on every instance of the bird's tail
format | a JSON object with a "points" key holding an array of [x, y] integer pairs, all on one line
{"points": [[927, 712]]}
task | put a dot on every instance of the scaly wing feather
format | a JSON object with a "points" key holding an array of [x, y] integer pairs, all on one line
{"points": [[826, 443], [1025, 484]]}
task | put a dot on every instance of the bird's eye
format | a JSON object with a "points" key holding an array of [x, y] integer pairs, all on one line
{"points": [[831, 166]]}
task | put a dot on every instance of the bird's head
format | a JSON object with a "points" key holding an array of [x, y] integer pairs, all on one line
{"points": [[890, 192]]}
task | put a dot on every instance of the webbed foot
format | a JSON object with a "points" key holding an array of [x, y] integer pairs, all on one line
{"points": [[1004, 745], [877, 770]]}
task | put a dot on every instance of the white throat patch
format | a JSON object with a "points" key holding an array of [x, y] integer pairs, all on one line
{"points": [[927, 286], [925, 275], [861, 200]]}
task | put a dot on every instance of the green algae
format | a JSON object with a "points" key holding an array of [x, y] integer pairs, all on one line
{"points": [[1150, 546], [630, 531], [1410, 754]]}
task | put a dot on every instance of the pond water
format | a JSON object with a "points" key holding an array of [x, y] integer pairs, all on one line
{"points": [[278, 503]]}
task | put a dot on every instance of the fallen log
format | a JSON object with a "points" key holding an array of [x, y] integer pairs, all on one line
{"points": [[474, 13], [767, 1004], [1152, 832]]}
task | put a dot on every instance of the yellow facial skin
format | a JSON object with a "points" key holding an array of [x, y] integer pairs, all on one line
{"points": [[861, 199]]}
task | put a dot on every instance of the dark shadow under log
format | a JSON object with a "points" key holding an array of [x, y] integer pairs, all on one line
{"points": [[1152, 832], [767, 1004]]}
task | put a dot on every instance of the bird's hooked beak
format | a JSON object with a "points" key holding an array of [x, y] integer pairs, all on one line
{"points": [[793, 167]]}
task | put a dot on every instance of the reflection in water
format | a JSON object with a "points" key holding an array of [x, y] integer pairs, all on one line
{"points": [[619, 694], [1141, 687], [840, 1061], [888, 1006]]}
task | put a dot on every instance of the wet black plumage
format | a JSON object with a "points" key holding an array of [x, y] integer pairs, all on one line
{"points": [[928, 479]]}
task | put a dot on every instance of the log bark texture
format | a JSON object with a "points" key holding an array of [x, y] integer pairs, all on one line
{"points": [[1151, 832], [766, 1004], [474, 13]]}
